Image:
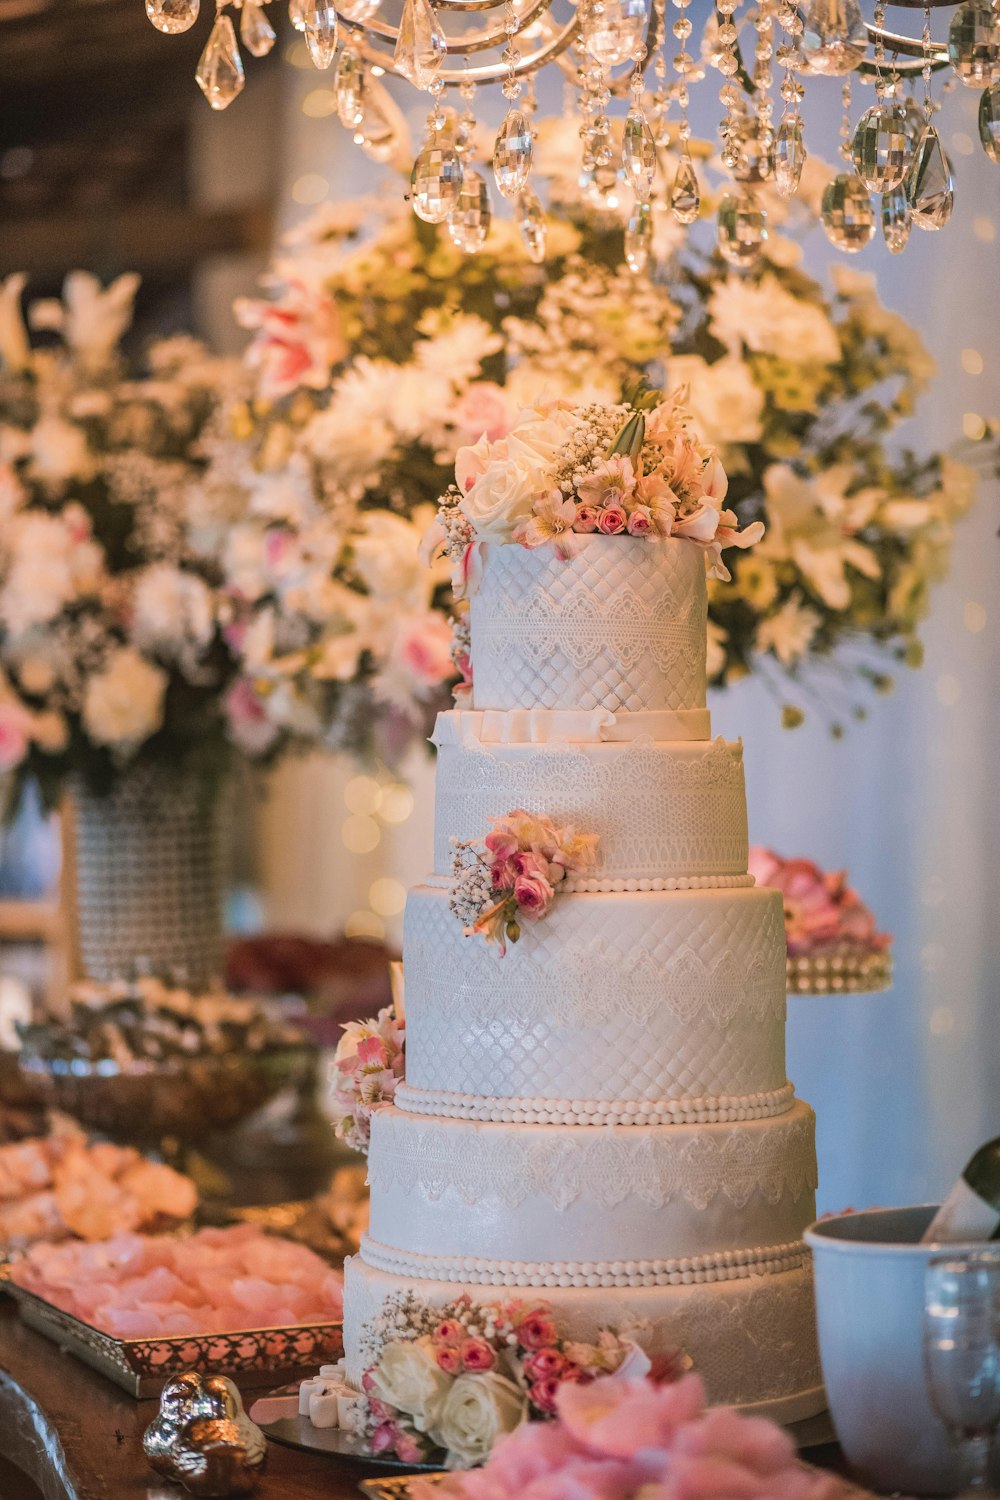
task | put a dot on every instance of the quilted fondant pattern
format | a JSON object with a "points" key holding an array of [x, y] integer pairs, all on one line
{"points": [[657, 809], [619, 625], [636, 996]]}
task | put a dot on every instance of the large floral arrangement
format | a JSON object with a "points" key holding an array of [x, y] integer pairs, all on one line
{"points": [[445, 1383], [512, 875], [622, 1438], [821, 910], [377, 361]]}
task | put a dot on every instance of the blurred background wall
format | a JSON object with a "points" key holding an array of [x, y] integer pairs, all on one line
{"points": [[110, 159]]}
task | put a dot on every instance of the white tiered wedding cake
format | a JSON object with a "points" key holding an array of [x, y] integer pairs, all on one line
{"points": [[602, 1112]]}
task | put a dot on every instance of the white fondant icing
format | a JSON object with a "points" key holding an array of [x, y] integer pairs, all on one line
{"points": [[544, 726]]}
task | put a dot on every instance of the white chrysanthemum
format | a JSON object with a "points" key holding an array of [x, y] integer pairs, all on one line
{"points": [[767, 319], [789, 631], [456, 351], [725, 404], [123, 704]]}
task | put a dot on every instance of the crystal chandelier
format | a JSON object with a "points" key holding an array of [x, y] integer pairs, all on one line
{"points": [[623, 56]]}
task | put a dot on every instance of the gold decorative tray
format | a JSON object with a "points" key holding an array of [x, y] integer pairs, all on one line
{"points": [[255, 1357]]}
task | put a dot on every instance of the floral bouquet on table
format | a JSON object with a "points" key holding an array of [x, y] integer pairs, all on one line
{"points": [[512, 875], [377, 360], [445, 1383], [621, 1438]]}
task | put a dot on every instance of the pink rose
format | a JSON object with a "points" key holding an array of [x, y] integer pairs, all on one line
{"points": [[544, 1392], [533, 895], [587, 517], [530, 864], [423, 649], [449, 1360], [536, 1330], [544, 1364], [503, 875], [14, 735], [612, 520], [640, 521], [477, 1355], [449, 1331], [501, 844], [483, 411]]}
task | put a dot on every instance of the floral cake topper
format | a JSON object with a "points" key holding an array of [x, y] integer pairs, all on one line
{"points": [[512, 875], [633, 469]]}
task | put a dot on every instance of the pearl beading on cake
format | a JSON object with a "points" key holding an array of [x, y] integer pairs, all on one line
{"points": [[708, 1111], [595, 886], [697, 1270]]}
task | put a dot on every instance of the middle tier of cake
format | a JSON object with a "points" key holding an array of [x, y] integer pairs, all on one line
{"points": [[635, 1008]]}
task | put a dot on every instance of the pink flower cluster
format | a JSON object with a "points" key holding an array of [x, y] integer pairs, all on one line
{"points": [[617, 1439], [366, 1069], [297, 342], [821, 909], [526, 857]]}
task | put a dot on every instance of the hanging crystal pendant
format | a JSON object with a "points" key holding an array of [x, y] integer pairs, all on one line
{"points": [[421, 45], [319, 25], [685, 195], [789, 155], [834, 36], [469, 220], [989, 122], [602, 191], [930, 187], [436, 181], [220, 74], [879, 148], [512, 153], [530, 219], [896, 219], [742, 228], [638, 153], [349, 88], [381, 132], [847, 213], [256, 32], [974, 43], [172, 16], [751, 151], [639, 237], [612, 29]]}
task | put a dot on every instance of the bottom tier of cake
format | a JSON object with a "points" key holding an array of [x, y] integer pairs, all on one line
{"points": [[752, 1338]]}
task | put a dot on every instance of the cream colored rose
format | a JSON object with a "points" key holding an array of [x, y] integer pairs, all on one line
{"points": [[478, 1410], [123, 705], [502, 496], [408, 1377]]}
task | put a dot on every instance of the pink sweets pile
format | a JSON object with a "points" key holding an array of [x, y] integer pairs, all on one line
{"points": [[217, 1281]]}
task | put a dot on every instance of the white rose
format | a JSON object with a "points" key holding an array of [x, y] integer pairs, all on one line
{"points": [[478, 1410], [387, 559], [172, 609], [123, 705], [502, 496], [409, 1378]]}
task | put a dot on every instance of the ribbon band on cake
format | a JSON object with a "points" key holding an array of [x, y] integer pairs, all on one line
{"points": [[540, 726]]}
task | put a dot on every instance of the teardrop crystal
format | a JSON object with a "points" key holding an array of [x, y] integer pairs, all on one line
{"points": [[880, 146], [685, 195], [319, 25], [896, 219], [469, 220], [930, 186], [847, 213], [349, 88], [789, 155], [256, 32], [751, 150], [381, 132], [220, 73], [172, 16], [512, 153], [639, 237], [742, 228], [834, 36], [974, 43], [638, 153], [989, 122], [436, 181], [421, 45], [612, 29], [530, 218]]}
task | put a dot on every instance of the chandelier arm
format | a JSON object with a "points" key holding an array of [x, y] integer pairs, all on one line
{"points": [[907, 46], [550, 50], [477, 41]]}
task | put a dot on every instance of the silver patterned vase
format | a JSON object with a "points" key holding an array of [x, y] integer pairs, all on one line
{"points": [[149, 876]]}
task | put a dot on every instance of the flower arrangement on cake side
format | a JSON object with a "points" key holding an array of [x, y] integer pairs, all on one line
{"points": [[444, 1384], [626, 1438], [833, 942], [377, 359], [512, 875], [367, 1067]]}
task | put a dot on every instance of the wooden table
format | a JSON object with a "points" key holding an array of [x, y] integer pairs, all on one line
{"points": [[77, 1436]]}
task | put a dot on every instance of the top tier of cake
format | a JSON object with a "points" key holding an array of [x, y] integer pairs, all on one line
{"points": [[620, 625]]}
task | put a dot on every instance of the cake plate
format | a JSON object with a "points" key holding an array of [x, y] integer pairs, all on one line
{"points": [[277, 1416]]}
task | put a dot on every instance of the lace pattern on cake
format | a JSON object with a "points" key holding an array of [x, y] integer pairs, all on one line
{"points": [[656, 812], [598, 1165], [475, 1270], [712, 1110], [609, 628]]}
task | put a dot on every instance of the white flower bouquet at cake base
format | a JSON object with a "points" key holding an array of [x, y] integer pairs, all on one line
{"points": [[445, 1384]]}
